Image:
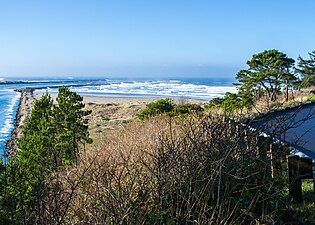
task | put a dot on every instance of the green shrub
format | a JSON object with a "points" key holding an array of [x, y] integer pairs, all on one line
{"points": [[231, 102], [156, 108], [311, 98], [187, 108], [162, 106], [215, 102]]}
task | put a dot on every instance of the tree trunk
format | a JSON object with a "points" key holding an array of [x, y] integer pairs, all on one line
{"points": [[286, 90]]}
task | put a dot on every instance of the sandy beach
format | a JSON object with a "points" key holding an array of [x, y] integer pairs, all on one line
{"points": [[105, 100], [107, 113]]}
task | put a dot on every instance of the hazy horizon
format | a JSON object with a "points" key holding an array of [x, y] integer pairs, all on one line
{"points": [[195, 79], [148, 39], [140, 73]]}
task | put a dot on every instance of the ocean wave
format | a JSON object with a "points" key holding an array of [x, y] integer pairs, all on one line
{"points": [[172, 88], [5, 90], [10, 116]]}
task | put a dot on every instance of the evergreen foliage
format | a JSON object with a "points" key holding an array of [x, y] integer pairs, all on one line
{"points": [[232, 102], [306, 68], [70, 126], [268, 71], [215, 102], [50, 140], [156, 108], [163, 106], [187, 108]]}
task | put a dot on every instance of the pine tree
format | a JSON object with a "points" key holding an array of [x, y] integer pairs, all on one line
{"points": [[70, 124], [268, 72], [50, 140], [24, 177], [306, 68]]}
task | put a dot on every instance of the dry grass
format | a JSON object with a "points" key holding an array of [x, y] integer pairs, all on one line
{"points": [[107, 118], [179, 170]]}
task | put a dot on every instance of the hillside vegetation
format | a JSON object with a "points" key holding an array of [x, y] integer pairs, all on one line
{"points": [[164, 164]]}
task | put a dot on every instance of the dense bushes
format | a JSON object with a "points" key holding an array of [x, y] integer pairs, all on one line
{"points": [[187, 109], [192, 171], [163, 106], [232, 102], [156, 108]]}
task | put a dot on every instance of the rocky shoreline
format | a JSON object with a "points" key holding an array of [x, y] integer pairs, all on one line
{"points": [[23, 111]]}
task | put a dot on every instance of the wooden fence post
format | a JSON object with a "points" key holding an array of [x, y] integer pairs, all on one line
{"points": [[285, 152], [275, 154], [263, 144], [295, 184], [306, 170]]}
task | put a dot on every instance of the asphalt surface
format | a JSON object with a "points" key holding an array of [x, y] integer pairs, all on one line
{"points": [[295, 127]]}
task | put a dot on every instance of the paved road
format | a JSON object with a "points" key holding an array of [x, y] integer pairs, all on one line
{"points": [[295, 127]]}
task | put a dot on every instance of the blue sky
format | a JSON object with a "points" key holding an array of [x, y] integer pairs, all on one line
{"points": [[148, 38]]}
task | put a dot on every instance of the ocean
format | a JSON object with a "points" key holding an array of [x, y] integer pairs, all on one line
{"points": [[194, 88], [9, 101]]}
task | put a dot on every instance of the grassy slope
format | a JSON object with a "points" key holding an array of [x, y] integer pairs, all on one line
{"points": [[107, 119]]}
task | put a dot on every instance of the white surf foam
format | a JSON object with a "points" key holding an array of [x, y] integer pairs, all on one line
{"points": [[159, 88], [10, 114]]}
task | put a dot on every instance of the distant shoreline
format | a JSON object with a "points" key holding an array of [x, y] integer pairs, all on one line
{"points": [[121, 100], [124, 88], [29, 95]]}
